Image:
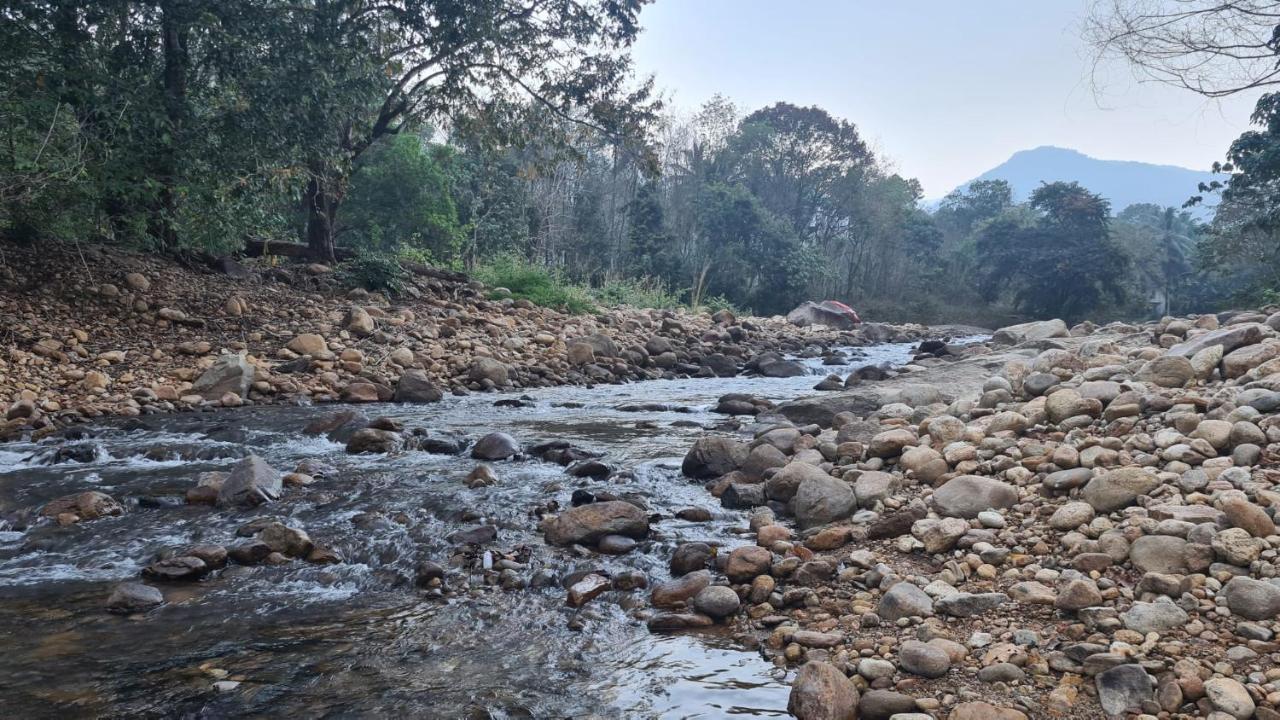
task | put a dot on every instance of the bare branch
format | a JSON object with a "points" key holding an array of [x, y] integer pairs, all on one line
{"points": [[1212, 47]]}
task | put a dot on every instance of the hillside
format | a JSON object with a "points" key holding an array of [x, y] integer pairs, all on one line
{"points": [[1120, 181]]}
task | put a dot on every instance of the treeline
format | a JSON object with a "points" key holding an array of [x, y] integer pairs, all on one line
{"points": [[511, 138]]}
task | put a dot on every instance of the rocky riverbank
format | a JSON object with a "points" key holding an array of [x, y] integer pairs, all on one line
{"points": [[1060, 522], [1071, 523], [91, 331]]}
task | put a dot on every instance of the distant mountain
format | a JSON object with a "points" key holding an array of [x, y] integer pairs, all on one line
{"points": [[1122, 182]]}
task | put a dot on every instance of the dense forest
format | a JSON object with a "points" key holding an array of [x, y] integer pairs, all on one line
{"points": [[512, 139]]}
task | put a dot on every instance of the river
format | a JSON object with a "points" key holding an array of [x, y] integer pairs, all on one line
{"points": [[359, 639]]}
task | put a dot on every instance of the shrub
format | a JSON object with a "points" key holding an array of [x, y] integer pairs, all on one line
{"points": [[374, 271], [716, 303], [646, 292], [535, 283]]}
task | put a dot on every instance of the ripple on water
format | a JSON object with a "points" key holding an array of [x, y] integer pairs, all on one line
{"points": [[357, 639]]}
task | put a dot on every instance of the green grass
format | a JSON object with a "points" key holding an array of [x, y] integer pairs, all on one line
{"points": [[535, 283], [549, 287], [636, 292]]}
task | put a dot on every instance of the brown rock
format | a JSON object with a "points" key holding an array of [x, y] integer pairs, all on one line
{"points": [[821, 692], [586, 524], [1249, 517], [746, 562], [87, 505]]}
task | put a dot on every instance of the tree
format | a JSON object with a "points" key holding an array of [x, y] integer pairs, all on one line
{"points": [[1057, 257], [171, 108], [1243, 241], [402, 196], [1212, 47], [793, 158], [650, 242], [1160, 242], [379, 67], [964, 208], [748, 255]]}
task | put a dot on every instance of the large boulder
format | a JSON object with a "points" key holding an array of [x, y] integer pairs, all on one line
{"points": [[670, 593], [772, 364], [1242, 360], [821, 409], [820, 500], [781, 368], [904, 600], [821, 692], [416, 386], [783, 485], [495, 446], [602, 346], [1230, 338], [1165, 554], [359, 322], [1228, 696], [251, 482], [1118, 488], [132, 597], [338, 426], [828, 312], [1252, 599], [310, 344], [1030, 331], [714, 456], [748, 562], [1123, 688], [229, 373], [484, 368], [967, 495], [1170, 371], [586, 524], [374, 441], [1154, 617]]}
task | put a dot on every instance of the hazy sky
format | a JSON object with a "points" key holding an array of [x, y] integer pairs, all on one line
{"points": [[945, 90]]}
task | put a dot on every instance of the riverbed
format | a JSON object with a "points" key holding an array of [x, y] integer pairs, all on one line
{"points": [[358, 638]]}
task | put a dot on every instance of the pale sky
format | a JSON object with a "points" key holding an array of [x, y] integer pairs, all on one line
{"points": [[944, 90]]}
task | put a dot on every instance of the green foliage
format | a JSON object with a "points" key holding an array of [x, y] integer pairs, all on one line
{"points": [[401, 196], [1057, 257], [1242, 245], [716, 303], [200, 123], [642, 292], [379, 272], [535, 283]]}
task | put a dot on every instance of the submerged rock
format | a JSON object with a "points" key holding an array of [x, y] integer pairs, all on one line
{"points": [[132, 597]]}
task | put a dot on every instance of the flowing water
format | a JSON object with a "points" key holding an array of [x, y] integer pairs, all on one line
{"points": [[358, 639]]}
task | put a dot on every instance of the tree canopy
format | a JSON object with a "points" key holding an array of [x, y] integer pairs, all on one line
{"points": [[1057, 258], [513, 133]]}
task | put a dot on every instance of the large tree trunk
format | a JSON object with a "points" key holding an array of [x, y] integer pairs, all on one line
{"points": [[322, 198], [174, 46]]}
